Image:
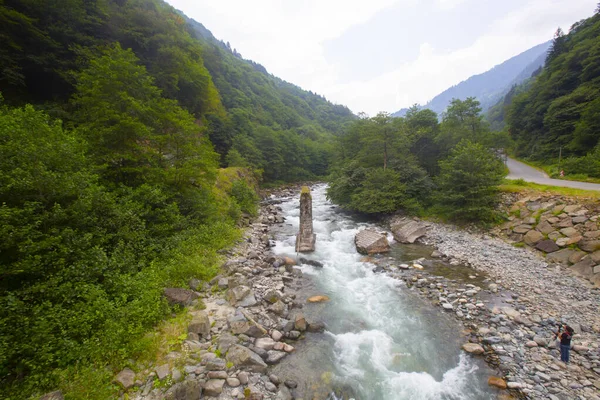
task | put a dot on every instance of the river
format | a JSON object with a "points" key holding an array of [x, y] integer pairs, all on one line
{"points": [[382, 340]]}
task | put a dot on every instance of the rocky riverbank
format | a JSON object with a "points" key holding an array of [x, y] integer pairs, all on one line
{"points": [[509, 306], [513, 315], [244, 322]]}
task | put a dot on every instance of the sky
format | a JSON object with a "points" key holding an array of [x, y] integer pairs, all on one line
{"points": [[382, 55]]}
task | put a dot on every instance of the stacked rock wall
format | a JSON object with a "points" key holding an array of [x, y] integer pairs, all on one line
{"points": [[566, 230]]}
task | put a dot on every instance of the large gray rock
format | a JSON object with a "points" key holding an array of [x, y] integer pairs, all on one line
{"points": [[237, 294], [545, 227], [214, 387], [533, 237], [371, 242], [407, 231], [583, 268], [243, 357], [183, 297], [125, 379], [200, 324], [186, 390], [547, 246], [589, 245], [561, 256]]}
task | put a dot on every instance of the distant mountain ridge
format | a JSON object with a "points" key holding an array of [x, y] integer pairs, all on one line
{"points": [[490, 86]]}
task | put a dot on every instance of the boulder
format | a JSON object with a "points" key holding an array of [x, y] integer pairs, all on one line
{"points": [[214, 387], [522, 228], [473, 348], [241, 356], [583, 268], [274, 356], [200, 324], [589, 245], [561, 256], [264, 343], [570, 231], [544, 227], [371, 242], [186, 390], [408, 231], [237, 293], [547, 246], [125, 379], [183, 297], [532, 237]]}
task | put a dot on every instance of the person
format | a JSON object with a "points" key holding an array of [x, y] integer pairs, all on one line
{"points": [[565, 341]]}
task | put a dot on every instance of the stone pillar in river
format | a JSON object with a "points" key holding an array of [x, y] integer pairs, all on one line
{"points": [[305, 240]]}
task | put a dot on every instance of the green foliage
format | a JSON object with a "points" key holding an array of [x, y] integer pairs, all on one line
{"points": [[559, 110], [245, 197], [468, 180]]}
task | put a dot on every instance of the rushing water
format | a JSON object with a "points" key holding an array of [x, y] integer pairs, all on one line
{"points": [[382, 340]]}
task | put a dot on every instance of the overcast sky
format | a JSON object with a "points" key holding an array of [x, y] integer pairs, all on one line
{"points": [[382, 55]]}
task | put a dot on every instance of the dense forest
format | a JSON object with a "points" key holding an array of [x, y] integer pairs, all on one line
{"points": [[557, 114], [418, 164], [116, 120]]}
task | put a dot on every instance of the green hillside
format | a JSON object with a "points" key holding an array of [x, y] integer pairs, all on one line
{"points": [[559, 112], [116, 118]]}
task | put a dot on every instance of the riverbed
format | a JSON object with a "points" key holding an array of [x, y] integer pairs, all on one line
{"points": [[382, 340]]}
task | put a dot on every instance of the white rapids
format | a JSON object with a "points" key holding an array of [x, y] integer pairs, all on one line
{"points": [[385, 342]]}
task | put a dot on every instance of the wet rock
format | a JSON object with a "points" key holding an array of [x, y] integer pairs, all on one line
{"points": [[318, 299], [370, 242], [313, 263], [274, 356], [473, 348], [497, 382]]}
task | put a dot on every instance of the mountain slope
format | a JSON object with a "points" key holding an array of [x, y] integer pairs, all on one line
{"points": [[490, 86], [559, 112]]}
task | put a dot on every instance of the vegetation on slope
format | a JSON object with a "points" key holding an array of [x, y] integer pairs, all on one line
{"points": [[114, 121], [420, 165], [558, 114]]}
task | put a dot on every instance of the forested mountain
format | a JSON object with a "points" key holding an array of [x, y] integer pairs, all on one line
{"points": [[233, 97], [115, 116], [491, 86], [560, 110]]}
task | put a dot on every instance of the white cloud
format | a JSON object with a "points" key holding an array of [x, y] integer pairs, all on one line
{"points": [[287, 38]]}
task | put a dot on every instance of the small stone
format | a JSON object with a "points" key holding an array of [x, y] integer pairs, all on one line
{"points": [[473, 348], [243, 377], [233, 382], [497, 382], [162, 371], [214, 387]]}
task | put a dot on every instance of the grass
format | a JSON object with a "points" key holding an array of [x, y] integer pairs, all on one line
{"points": [[519, 186]]}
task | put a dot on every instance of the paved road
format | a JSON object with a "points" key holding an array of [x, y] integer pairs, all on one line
{"points": [[518, 170]]}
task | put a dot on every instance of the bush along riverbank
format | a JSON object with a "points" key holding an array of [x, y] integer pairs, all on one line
{"points": [[231, 331]]}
